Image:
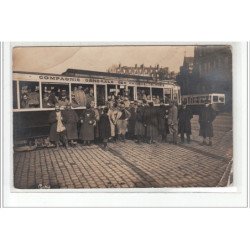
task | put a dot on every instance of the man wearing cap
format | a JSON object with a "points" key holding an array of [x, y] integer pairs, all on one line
{"points": [[139, 124], [206, 118], [57, 128], [123, 116]]}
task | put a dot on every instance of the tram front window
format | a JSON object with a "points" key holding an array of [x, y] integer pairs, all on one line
{"points": [[143, 93], [100, 92], [111, 91], [167, 94], [29, 95], [81, 94], [54, 93], [131, 93], [14, 94], [157, 95], [215, 98]]}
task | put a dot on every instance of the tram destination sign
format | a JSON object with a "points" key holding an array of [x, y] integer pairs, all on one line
{"points": [[46, 78]]}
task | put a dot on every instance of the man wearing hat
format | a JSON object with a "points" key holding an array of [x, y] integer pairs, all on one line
{"points": [[184, 126], [206, 118], [57, 128]]}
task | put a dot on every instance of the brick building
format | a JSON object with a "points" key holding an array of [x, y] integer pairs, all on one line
{"points": [[157, 72]]}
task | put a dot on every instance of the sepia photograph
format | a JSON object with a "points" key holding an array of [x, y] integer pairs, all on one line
{"points": [[122, 116]]}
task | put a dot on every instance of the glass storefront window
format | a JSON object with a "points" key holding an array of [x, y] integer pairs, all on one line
{"points": [[81, 94], [29, 94], [54, 94]]}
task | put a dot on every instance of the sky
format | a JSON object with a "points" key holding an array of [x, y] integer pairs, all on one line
{"points": [[59, 59]]}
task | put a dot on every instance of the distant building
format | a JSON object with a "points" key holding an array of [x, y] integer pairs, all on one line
{"points": [[212, 70], [185, 77], [209, 71], [156, 72]]}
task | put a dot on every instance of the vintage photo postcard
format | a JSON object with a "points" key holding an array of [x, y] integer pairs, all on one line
{"points": [[114, 117]]}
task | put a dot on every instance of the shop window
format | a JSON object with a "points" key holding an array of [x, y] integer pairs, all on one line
{"points": [[221, 99], [29, 94]]}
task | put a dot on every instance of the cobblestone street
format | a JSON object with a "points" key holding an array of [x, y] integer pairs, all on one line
{"points": [[128, 165]]}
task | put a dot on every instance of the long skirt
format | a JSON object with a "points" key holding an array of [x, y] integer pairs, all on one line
{"points": [[71, 131], [122, 127], [87, 132], [152, 132], [139, 129]]}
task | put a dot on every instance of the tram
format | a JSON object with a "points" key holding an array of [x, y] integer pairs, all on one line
{"points": [[35, 95], [196, 101]]}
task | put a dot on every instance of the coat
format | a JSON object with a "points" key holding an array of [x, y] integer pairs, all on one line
{"points": [[131, 122], [151, 122], [104, 127], [87, 125], [139, 121], [173, 119], [71, 119], [163, 120], [53, 134], [112, 114], [184, 117], [206, 118]]}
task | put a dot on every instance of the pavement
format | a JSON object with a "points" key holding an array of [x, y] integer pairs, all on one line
{"points": [[129, 165]]}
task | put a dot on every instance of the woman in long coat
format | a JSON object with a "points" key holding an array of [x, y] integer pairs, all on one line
{"points": [[71, 119], [139, 125], [206, 118], [87, 125], [104, 127], [184, 126], [151, 122]]}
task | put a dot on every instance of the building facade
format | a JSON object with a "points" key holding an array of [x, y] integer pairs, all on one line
{"points": [[209, 71], [157, 72]]}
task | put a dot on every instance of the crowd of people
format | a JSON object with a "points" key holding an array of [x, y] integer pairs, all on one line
{"points": [[140, 121]]}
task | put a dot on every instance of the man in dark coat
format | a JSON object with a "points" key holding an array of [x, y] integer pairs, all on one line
{"points": [[131, 122], [139, 125], [71, 119], [57, 128], [206, 118], [87, 125], [162, 121], [151, 123], [104, 127], [184, 116]]}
